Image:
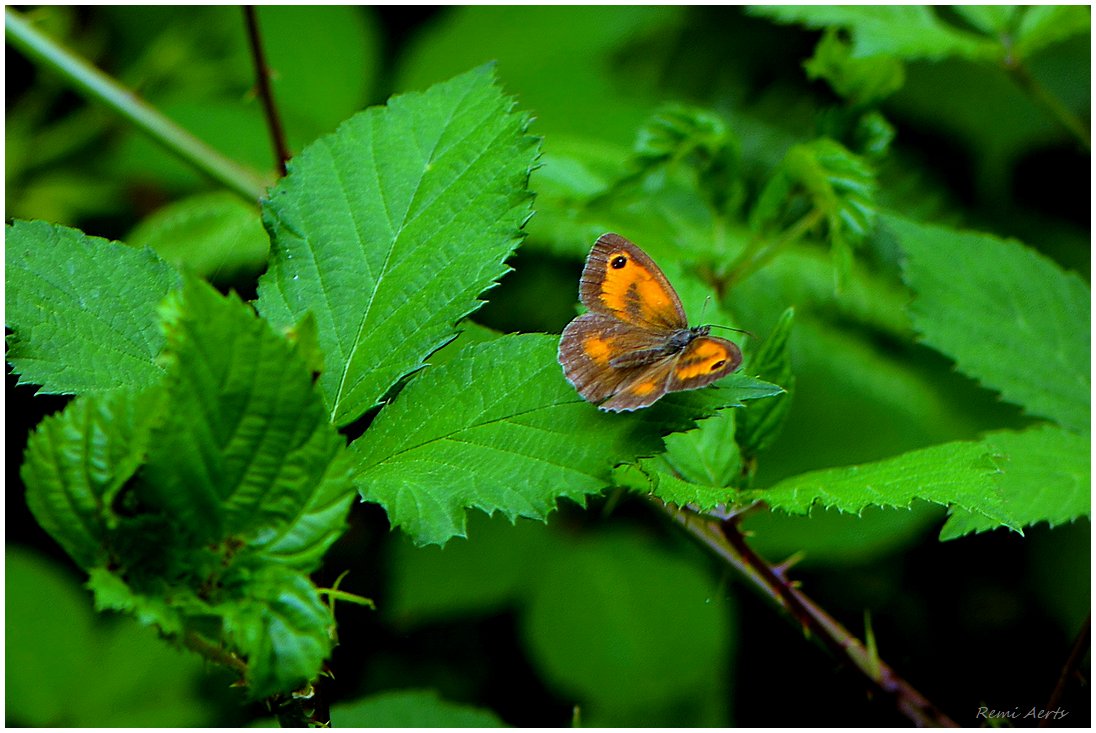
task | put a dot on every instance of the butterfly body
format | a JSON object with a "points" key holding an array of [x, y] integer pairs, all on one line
{"points": [[635, 344]]}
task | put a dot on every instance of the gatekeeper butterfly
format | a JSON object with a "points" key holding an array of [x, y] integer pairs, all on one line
{"points": [[635, 345]]}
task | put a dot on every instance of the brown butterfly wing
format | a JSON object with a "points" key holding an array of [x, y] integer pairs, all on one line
{"points": [[588, 345], [704, 360], [621, 281], [643, 387]]}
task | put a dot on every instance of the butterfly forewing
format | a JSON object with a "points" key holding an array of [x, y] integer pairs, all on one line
{"points": [[620, 280]]}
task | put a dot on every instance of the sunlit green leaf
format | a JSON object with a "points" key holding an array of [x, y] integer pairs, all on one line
{"points": [[389, 229], [499, 429], [1010, 317], [82, 310], [1046, 477], [958, 474]]}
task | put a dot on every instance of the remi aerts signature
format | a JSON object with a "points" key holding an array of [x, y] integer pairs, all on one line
{"points": [[1019, 713]]}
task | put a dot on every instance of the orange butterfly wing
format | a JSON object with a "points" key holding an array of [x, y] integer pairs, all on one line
{"points": [[621, 281], [635, 344], [703, 361]]}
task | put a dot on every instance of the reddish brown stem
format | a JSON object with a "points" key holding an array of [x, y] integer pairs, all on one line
{"points": [[1076, 654], [727, 541], [266, 94]]}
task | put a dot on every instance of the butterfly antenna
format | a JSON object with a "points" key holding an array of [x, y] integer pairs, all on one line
{"points": [[740, 330], [707, 299]]}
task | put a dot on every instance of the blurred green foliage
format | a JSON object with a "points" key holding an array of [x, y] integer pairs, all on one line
{"points": [[670, 125]]}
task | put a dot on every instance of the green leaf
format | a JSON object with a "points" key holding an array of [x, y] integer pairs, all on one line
{"points": [[301, 540], [82, 310], [498, 428], [1010, 317], [215, 236], [67, 668], [697, 468], [389, 229], [836, 183], [708, 454], [76, 462], [47, 619], [957, 474], [839, 183], [862, 81], [410, 709], [695, 139], [564, 67], [906, 31], [279, 622], [629, 629], [1042, 26], [656, 477], [760, 423], [1046, 477], [245, 448], [168, 615], [989, 19]]}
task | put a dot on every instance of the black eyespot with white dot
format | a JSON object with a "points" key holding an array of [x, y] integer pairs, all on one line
{"points": [[618, 262], [717, 365]]}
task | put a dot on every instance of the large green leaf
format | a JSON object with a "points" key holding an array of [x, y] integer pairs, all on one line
{"points": [[630, 630], [245, 448], [82, 310], [1046, 478], [959, 474], [498, 428], [1010, 317], [389, 229]]}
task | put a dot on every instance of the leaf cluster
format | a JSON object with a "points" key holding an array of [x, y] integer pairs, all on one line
{"points": [[209, 459]]}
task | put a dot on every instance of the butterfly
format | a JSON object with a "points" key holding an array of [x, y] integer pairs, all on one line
{"points": [[635, 345]]}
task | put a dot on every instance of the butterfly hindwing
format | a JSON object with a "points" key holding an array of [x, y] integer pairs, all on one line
{"points": [[703, 361], [591, 342]]}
